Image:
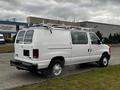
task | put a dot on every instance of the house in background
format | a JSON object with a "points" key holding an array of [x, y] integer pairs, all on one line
{"points": [[10, 28], [37, 20], [105, 29]]}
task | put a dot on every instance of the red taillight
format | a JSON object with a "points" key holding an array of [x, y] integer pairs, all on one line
{"points": [[35, 53]]}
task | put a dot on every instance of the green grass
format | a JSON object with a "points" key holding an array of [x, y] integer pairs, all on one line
{"points": [[96, 79], [6, 48]]}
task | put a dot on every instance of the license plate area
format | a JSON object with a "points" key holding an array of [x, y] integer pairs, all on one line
{"points": [[26, 52]]}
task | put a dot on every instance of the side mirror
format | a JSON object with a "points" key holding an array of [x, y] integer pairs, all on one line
{"points": [[103, 40], [99, 42]]}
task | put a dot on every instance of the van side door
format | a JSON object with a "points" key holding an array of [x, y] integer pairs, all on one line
{"points": [[80, 47], [95, 51]]}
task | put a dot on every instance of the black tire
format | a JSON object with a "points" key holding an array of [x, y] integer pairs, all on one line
{"points": [[104, 61], [55, 69], [18, 68], [33, 71]]}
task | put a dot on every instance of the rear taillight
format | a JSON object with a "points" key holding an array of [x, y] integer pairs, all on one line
{"points": [[35, 53]]}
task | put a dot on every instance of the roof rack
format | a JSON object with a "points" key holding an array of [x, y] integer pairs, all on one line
{"points": [[49, 25]]}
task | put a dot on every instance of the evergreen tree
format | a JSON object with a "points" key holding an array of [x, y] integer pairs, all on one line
{"points": [[98, 33]]}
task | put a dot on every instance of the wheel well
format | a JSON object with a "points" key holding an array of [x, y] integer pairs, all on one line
{"points": [[58, 58], [106, 54]]}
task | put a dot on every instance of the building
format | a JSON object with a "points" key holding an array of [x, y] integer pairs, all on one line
{"points": [[9, 28], [105, 29], [36, 20]]}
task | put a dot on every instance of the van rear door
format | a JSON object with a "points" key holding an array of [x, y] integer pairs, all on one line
{"points": [[23, 45], [19, 44]]}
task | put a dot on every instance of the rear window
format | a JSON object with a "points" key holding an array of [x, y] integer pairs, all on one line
{"points": [[20, 37], [28, 36]]}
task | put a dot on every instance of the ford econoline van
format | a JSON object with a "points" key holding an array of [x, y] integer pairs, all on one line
{"points": [[50, 49]]}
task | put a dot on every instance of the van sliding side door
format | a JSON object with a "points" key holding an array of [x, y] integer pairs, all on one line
{"points": [[80, 47]]}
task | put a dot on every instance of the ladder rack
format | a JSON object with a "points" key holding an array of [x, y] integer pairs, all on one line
{"points": [[49, 25]]}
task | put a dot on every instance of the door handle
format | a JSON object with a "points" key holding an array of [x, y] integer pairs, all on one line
{"points": [[89, 50]]}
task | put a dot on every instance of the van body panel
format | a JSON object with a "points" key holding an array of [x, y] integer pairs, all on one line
{"points": [[97, 49], [80, 54], [53, 45]]}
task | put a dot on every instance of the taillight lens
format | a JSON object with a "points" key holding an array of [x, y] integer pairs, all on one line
{"points": [[35, 53]]}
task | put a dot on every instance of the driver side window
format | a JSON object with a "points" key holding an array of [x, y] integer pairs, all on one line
{"points": [[94, 38]]}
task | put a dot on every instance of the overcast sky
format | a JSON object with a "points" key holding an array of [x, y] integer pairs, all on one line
{"points": [[106, 11]]}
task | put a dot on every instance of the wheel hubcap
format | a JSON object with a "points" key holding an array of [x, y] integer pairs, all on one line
{"points": [[105, 61], [57, 69]]}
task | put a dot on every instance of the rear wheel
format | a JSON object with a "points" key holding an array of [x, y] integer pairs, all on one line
{"points": [[55, 69], [104, 61], [18, 68], [33, 71]]}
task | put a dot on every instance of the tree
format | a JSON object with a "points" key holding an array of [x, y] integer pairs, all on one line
{"points": [[115, 38], [110, 38], [98, 33]]}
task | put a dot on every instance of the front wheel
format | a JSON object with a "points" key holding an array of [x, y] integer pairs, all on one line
{"points": [[104, 61]]}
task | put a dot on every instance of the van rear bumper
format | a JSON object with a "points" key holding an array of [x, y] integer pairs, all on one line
{"points": [[23, 65]]}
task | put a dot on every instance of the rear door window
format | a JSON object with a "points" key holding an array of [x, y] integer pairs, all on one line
{"points": [[20, 37], [28, 36]]}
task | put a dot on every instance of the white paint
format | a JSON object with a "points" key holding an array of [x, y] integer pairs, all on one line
{"points": [[58, 43]]}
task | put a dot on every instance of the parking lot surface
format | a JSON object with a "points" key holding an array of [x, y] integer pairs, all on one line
{"points": [[11, 77]]}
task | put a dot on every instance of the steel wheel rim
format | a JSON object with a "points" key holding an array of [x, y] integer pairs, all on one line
{"points": [[57, 69], [105, 61]]}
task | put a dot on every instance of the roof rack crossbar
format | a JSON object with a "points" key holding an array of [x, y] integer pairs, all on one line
{"points": [[49, 25]]}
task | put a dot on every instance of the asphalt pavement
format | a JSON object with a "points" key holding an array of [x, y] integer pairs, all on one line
{"points": [[11, 77]]}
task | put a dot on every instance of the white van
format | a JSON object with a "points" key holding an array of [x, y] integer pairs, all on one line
{"points": [[50, 49], [2, 40]]}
